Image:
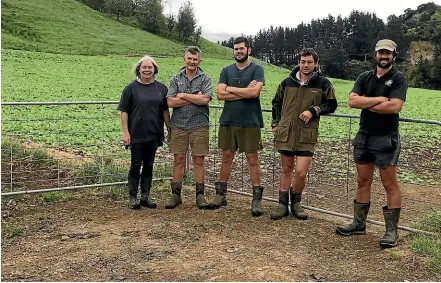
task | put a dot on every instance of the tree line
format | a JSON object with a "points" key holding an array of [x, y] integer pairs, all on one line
{"points": [[345, 45], [149, 15]]}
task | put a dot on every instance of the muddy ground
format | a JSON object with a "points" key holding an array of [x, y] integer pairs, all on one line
{"points": [[94, 238]]}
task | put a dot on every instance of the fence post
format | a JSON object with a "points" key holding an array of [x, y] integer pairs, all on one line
{"points": [[187, 164], [101, 150], [58, 146], [12, 167], [215, 145], [348, 161], [20, 136]]}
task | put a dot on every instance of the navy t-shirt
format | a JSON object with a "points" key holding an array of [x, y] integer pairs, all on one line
{"points": [[145, 105]]}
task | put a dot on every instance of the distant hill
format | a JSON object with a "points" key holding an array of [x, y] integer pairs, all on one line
{"points": [[422, 29], [423, 23], [69, 27]]}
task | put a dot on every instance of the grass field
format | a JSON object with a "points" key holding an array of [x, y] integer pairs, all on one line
{"points": [[52, 29], [52, 26], [35, 76]]}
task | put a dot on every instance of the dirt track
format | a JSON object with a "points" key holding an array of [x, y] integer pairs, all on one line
{"points": [[96, 239]]}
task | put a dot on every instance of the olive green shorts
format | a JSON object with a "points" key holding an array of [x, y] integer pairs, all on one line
{"points": [[244, 139], [197, 139]]}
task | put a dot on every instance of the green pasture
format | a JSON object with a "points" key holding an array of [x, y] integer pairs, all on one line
{"points": [[69, 27], [36, 76]]}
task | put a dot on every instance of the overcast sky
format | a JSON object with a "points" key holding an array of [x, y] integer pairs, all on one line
{"points": [[221, 19]]}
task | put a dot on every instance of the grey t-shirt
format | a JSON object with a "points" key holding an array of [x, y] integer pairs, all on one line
{"points": [[243, 112]]}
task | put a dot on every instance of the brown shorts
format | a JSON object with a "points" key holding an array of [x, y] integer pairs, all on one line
{"points": [[245, 139], [197, 139]]}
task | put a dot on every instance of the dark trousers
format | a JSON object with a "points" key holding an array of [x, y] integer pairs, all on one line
{"points": [[143, 154]]}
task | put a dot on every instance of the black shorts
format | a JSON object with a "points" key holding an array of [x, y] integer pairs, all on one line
{"points": [[296, 153], [383, 151]]}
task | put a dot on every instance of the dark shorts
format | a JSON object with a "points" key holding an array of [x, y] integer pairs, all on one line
{"points": [[383, 151], [296, 153], [244, 139]]}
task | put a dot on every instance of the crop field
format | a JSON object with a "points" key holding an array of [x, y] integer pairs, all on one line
{"points": [[32, 76], [35, 76], [94, 129]]}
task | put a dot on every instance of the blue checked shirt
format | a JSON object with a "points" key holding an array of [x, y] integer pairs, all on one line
{"points": [[190, 116]]}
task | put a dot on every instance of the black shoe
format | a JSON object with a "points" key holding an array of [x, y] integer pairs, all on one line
{"points": [[133, 184], [146, 184]]}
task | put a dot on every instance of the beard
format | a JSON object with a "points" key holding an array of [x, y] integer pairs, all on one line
{"points": [[384, 65], [245, 57]]}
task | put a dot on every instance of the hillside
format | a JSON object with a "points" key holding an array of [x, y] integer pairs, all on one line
{"points": [[423, 23], [69, 27]]}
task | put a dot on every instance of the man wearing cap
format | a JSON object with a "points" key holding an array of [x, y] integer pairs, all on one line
{"points": [[380, 94]]}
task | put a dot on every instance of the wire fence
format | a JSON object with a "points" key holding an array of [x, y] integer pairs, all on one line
{"points": [[49, 146]]}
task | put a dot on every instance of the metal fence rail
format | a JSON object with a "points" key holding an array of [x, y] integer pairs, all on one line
{"points": [[48, 146]]}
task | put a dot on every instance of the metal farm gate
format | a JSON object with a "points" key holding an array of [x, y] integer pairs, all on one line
{"points": [[53, 146]]}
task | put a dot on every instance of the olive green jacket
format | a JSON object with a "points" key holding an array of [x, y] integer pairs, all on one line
{"points": [[291, 100]]}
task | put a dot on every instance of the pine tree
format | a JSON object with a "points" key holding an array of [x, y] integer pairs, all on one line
{"points": [[118, 7], [186, 21], [171, 24], [149, 15]]}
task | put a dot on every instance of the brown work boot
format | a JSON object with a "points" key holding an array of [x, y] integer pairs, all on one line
{"points": [[358, 225], [256, 204], [296, 207], [200, 198], [282, 208], [175, 199], [221, 195]]}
